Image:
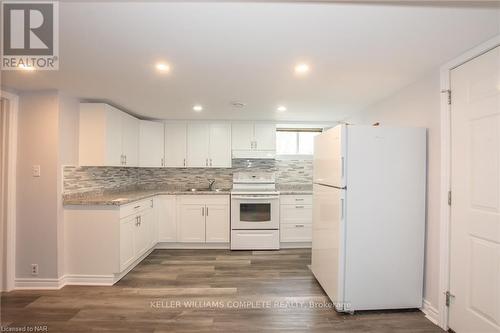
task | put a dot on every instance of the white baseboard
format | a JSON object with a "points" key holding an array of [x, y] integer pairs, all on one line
{"points": [[296, 245], [89, 280], [39, 284], [192, 246], [430, 312]]}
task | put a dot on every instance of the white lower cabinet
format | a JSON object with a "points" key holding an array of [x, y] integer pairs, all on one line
{"points": [[102, 243], [191, 223], [217, 223], [203, 219], [296, 218], [166, 209]]}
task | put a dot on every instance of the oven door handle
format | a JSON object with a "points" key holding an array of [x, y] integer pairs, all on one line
{"points": [[254, 198]]}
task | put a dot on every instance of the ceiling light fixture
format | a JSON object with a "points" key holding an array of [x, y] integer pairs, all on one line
{"points": [[198, 108], [281, 108], [163, 67], [302, 69]]}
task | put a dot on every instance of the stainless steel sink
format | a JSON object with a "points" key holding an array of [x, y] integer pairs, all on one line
{"points": [[205, 190]]}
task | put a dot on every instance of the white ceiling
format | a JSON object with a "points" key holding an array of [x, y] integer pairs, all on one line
{"points": [[220, 52]]}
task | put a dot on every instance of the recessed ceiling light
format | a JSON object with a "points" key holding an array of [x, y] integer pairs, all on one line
{"points": [[301, 68], [281, 108], [238, 105], [197, 108], [163, 67]]}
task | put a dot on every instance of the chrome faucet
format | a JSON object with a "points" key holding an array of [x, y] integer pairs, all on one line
{"points": [[211, 183]]}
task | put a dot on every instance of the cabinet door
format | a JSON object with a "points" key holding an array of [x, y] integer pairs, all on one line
{"points": [[220, 145], [113, 135], [167, 218], [197, 145], [175, 144], [217, 223], [142, 232], [242, 135], [191, 227], [127, 234], [130, 140], [151, 143], [265, 136]]}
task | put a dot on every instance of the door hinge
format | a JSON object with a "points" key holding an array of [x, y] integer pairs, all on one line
{"points": [[448, 296], [448, 93], [449, 198]]}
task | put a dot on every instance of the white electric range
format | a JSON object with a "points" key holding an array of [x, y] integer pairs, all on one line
{"points": [[254, 212]]}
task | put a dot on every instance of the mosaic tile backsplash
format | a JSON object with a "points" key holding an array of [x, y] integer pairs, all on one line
{"points": [[94, 179]]}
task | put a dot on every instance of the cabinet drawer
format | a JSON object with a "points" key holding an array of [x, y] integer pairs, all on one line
{"points": [[298, 232], [135, 207], [296, 199], [290, 214]]}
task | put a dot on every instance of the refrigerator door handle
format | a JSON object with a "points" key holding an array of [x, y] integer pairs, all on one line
{"points": [[342, 166], [341, 209]]}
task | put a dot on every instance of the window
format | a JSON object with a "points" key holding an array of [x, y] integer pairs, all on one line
{"points": [[296, 141]]}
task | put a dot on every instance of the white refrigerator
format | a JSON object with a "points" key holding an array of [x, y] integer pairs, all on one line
{"points": [[369, 216]]}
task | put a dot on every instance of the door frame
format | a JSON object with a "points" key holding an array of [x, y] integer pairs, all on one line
{"points": [[445, 219], [11, 186]]}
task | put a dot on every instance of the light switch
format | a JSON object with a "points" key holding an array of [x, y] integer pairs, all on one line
{"points": [[36, 171]]}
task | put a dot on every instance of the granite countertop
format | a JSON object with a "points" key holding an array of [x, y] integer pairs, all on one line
{"points": [[125, 197], [295, 189]]}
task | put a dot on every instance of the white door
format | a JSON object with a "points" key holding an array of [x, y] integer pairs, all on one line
{"points": [[191, 228], [220, 145], [175, 144], [265, 136], [151, 143], [242, 135], [130, 140], [197, 145], [329, 161], [114, 133], [127, 233], [217, 223], [327, 240], [167, 222], [475, 184]]}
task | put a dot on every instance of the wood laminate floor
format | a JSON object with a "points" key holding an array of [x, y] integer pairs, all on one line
{"points": [[203, 291]]}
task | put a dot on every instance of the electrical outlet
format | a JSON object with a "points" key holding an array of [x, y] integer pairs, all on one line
{"points": [[36, 171], [34, 269]]}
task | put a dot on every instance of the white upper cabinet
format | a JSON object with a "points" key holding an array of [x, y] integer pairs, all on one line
{"points": [[253, 140], [198, 145], [130, 140], [107, 136], [242, 135], [151, 143], [175, 144], [265, 136], [220, 145]]}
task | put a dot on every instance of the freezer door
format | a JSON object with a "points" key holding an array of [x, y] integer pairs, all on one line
{"points": [[328, 241], [329, 157]]}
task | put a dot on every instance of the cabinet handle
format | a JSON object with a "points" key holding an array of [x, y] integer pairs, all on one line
{"points": [[255, 144], [202, 211], [137, 221], [184, 162], [125, 156], [207, 211], [299, 226], [297, 199], [206, 162], [210, 162], [299, 206], [137, 207], [162, 162]]}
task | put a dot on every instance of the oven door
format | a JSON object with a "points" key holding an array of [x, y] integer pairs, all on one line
{"points": [[254, 212]]}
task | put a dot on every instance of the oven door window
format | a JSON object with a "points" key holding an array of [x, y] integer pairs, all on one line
{"points": [[255, 212]]}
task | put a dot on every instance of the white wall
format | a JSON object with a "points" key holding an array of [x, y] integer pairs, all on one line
{"points": [[36, 232], [47, 136], [418, 105]]}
